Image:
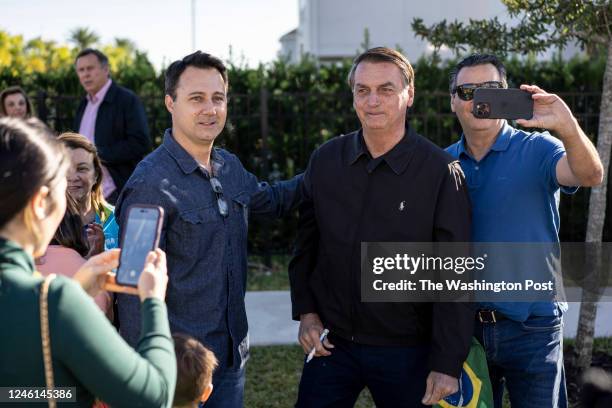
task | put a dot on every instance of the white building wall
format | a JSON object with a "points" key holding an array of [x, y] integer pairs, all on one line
{"points": [[289, 47], [331, 29]]}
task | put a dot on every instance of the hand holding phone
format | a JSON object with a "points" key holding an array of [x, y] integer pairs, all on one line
{"points": [[154, 278], [502, 103], [549, 112], [111, 285], [93, 274], [152, 282], [140, 236]]}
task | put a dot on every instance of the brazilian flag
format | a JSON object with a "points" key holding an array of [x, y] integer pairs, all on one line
{"points": [[475, 389]]}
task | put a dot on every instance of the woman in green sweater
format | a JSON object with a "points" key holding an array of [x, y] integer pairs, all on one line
{"points": [[87, 353]]}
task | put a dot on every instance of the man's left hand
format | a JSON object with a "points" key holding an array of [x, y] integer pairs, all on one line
{"points": [[549, 111], [439, 386]]}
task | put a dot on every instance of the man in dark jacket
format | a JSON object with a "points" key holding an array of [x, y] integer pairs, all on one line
{"points": [[383, 183], [113, 118]]}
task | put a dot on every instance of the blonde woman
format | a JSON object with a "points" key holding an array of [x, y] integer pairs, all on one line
{"points": [[85, 178]]}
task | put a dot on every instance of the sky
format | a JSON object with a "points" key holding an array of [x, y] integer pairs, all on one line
{"points": [[162, 28]]}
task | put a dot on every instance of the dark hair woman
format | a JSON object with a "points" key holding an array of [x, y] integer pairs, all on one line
{"points": [[14, 103], [82, 349]]}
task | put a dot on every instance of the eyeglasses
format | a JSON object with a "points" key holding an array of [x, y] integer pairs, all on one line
{"points": [[466, 91], [221, 202]]}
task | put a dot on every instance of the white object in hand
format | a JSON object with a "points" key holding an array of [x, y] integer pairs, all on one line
{"points": [[312, 352]]}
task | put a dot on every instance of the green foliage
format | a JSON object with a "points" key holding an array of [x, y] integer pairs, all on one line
{"points": [[261, 277], [542, 24], [46, 70], [46, 65]]}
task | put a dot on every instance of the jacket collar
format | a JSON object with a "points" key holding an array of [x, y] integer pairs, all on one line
{"points": [[111, 93], [184, 160], [397, 158]]}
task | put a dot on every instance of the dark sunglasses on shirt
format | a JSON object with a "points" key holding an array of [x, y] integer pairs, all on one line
{"points": [[465, 92], [221, 202]]}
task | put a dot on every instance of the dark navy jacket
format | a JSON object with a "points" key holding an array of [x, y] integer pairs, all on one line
{"points": [[206, 253], [121, 135]]}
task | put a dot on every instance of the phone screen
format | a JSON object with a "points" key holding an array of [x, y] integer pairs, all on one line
{"points": [[140, 237]]}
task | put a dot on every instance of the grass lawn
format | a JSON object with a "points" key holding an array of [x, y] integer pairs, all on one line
{"points": [[601, 344], [273, 375]]}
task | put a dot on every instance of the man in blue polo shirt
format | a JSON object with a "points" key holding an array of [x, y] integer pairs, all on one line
{"points": [[514, 178]]}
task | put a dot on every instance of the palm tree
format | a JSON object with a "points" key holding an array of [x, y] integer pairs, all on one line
{"points": [[128, 45], [83, 37]]}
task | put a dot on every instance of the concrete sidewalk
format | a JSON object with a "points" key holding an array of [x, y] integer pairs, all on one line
{"points": [[270, 323], [269, 314]]}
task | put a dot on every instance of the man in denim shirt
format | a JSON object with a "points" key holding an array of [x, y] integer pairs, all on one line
{"points": [[207, 196]]}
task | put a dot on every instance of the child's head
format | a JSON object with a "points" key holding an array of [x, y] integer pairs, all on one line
{"points": [[195, 365]]}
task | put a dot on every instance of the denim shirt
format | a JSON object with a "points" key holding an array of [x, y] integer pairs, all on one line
{"points": [[206, 252]]}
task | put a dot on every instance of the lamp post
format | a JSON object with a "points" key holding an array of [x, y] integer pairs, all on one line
{"points": [[193, 25]]}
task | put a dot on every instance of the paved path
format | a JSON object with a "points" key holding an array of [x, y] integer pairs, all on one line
{"points": [[269, 314]]}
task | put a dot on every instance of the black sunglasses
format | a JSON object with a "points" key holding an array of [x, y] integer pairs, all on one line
{"points": [[221, 202], [466, 91]]}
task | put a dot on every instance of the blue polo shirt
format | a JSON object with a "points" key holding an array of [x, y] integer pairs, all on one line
{"points": [[515, 198]]}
